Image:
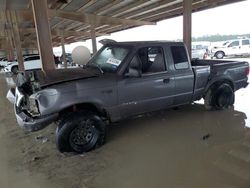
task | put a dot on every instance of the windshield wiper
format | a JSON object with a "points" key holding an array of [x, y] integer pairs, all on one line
{"points": [[97, 66]]}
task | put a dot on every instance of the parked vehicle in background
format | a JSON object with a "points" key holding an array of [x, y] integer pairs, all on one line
{"points": [[237, 47], [199, 51], [30, 63], [68, 58], [3, 62]]}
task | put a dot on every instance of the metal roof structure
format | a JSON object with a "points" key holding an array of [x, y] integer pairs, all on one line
{"points": [[74, 19]]}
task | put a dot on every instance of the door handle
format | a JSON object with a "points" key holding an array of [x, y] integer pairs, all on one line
{"points": [[166, 80]]}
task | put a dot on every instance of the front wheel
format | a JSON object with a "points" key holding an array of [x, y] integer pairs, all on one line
{"points": [[219, 97], [80, 133], [14, 69], [219, 55]]}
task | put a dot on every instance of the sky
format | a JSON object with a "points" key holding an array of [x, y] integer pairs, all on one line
{"points": [[224, 20]]}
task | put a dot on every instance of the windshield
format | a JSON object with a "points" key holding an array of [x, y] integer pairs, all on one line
{"points": [[109, 59]]}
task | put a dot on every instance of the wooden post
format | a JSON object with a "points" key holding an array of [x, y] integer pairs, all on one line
{"points": [[10, 49], [63, 52], [187, 25], [17, 40], [93, 38], [43, 33]]}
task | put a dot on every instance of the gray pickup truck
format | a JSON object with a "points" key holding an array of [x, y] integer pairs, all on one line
{"points": [[121, 80]]}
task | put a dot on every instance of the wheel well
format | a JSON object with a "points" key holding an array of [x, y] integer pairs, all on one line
{"points": [[219, 52], [14, 67], [217, 83], [84, 107]]}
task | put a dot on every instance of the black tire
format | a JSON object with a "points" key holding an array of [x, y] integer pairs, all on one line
{"points": [[219, 97], [80, 132], [14, 69], [219, 55]]}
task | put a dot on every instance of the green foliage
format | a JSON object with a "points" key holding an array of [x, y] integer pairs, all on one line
{"points": [[216, 38]]}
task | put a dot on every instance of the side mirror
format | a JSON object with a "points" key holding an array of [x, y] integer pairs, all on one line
{"points": [[133, 73]]}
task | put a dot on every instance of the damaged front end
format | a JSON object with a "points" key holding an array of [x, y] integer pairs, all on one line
{"points": [[26, 103]]}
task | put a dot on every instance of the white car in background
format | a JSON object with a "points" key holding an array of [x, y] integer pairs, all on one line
{"points": [[199, 51], [237, 47], [30, 62], [3, 62]]}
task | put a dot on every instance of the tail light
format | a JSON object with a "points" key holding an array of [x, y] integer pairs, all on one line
{"points": [[205, 55], [247, 71]]}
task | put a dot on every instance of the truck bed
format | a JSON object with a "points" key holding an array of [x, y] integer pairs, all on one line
{"points": [[234, 71], [216, 63]]}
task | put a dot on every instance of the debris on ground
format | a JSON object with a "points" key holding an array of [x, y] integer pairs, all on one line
{"points": [[206, 136], [42, 138], [36, 158]]}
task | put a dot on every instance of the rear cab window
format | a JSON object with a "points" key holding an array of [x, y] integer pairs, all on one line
{"points": [[180, 57], [245, 42]]}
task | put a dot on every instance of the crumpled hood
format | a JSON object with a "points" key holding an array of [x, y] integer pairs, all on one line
{"points": [[57, 76]]}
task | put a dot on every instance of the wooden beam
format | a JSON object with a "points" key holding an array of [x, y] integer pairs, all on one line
{"points": [[86, 5], [63, 52], [65, 33], [95, 19], [106, 7], [9, 37], [93, 39], [152, 7], [41, 18], [10, 49], [17, 40], [127, 8], [187, 25]]}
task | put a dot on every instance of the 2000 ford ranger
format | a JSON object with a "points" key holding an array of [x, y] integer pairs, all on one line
{"points": [[121, 80]]}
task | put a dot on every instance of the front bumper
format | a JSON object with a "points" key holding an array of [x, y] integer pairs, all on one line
{"points": [[7, 70], [30, 124]]}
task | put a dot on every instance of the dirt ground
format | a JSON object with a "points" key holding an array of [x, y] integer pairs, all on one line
{"points": [[186, 147]]}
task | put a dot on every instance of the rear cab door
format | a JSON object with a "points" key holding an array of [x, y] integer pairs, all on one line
{"points": [[154, 88], [245, 47], [184, 76]]}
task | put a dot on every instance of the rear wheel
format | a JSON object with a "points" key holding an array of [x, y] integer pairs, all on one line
{"points": [[14, 69], [80, 133], [219, 97]]}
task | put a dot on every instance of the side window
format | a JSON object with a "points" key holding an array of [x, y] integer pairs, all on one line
{"points": [[180, 57], [245, 42], [27, 59], [148, 60], [152, 59], [234, 43], [34, 58]]}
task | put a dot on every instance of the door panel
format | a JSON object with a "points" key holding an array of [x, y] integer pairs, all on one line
{"points": [[245, 48], [184, 83], [145, 94]]}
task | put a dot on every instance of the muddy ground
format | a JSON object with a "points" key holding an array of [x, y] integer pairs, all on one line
{"points": [[187, 147]]}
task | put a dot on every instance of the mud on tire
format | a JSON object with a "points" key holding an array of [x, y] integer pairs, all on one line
{"points": [[219, 97]]}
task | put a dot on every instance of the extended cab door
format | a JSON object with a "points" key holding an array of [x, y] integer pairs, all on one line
{"points": [[148, 84], [184, 76], [245, 47]]}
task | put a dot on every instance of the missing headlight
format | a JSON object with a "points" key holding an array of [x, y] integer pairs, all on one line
{"points": [[33, 107]]}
